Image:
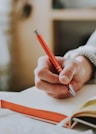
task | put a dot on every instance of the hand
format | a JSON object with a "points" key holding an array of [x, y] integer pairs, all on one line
{"points": [[75, 71]]}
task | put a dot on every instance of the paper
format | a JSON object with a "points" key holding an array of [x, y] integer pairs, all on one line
{"points": [[13, 123], [35, 98]]}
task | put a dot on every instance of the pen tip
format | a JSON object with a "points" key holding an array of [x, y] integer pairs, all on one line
{"points": [[36, 32], [72, 91]]}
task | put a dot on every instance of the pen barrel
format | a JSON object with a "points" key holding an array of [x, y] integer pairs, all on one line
{"points": [[52, 58], [49, 53]]}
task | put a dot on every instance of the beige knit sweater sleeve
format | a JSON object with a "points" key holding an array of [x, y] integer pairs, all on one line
{"points": [[88, 50]]}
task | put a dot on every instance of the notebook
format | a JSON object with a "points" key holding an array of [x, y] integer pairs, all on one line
{"points": [[38, 105]]}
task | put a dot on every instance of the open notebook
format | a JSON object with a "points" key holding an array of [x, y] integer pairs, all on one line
{"points": [[36, 104]]}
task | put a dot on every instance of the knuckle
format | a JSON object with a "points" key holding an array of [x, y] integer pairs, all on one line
{"points": [[42, 58], [35, 71], [38, 83], [38, 72]]}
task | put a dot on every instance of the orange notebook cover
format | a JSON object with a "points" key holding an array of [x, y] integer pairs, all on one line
{"points": [[31, 102], [44, 115]]}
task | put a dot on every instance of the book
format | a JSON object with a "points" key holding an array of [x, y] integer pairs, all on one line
{"points": [[38, 105], [85, 114]]}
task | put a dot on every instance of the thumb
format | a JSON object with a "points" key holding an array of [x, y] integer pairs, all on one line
{"points": [[67, 74]]}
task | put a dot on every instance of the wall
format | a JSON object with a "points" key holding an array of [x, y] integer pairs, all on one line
{"points": [[23, 51]]}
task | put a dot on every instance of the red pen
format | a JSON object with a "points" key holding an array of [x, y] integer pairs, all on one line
{"points": [[52, 58]]}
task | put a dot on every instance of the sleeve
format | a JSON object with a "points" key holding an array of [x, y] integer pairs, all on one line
{"points": [[88, 50]]}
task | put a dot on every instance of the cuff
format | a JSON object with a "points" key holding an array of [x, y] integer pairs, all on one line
{"points": [[87, 51]]}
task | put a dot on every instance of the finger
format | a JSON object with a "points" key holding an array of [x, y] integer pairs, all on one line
{"points": [[45, 70], [46, 75], [69, 71], [60, 96], [46, 63], [52, 89]]}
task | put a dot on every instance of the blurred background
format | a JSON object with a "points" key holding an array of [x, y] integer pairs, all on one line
{"points": [[65, 25]]}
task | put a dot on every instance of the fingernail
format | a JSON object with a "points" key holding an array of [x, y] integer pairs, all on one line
{"points": [[64, 79]]}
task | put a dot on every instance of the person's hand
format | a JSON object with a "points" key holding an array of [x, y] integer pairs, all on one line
{"points": [[75, 71]]}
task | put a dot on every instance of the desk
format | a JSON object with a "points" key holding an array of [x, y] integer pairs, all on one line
{"points": [[16, 123]]}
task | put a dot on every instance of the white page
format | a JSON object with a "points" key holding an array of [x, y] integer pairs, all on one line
{"points": [[35, 98]]}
